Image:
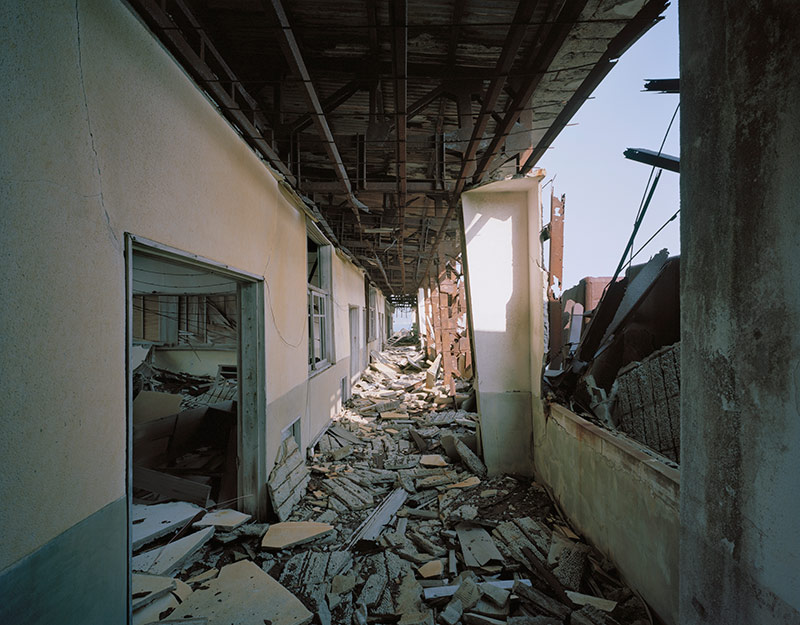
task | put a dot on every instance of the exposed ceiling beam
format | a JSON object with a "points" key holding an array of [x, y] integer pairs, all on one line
{"points": [[400, 63], [178, 44], [561, 18], [513, 41], [336, 99], [291, 50]]}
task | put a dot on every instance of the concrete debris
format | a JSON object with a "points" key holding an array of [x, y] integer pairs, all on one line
{"points": [[445, 544], [152, 522], [172, 557]]}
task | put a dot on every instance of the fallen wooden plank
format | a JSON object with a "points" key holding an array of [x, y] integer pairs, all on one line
{"points": [[171, 486], [154, 521], [244, 594]]}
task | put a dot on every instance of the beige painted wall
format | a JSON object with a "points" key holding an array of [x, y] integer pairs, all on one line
{"points": [[103, 134], [625, 501], [501, 232]]}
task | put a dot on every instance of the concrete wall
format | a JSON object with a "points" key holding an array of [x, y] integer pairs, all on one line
{"points": [[103, 134], [620, 498], [506, 288], [740, 319]]}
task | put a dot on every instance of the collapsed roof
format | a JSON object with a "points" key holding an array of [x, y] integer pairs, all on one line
{"points": [[379, 113]]}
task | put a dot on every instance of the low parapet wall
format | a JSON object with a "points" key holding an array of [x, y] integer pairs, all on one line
{"points": [[623, 500]]}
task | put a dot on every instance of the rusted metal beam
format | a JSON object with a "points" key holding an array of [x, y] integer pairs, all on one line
{"points": [[400, 63], [552, 37], [556, 270], [251, 123], [336, 99], [291, 50], [513, 41]]}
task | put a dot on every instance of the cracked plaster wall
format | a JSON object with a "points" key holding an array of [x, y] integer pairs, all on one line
{"points": [[103, 134]]}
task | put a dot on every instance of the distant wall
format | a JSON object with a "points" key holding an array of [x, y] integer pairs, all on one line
{"points": [[623, 500]]}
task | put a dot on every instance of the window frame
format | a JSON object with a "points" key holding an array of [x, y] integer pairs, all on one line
{"points": [[323, 295]]}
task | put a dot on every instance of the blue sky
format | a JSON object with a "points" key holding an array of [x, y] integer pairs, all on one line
{"points": [[603, 188]]}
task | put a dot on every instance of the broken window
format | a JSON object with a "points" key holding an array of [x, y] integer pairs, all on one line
{"points": [[319, 314]]}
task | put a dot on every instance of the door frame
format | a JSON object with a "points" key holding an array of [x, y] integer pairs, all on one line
{"points": [[252, 401]]}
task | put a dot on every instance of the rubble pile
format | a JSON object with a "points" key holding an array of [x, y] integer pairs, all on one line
{"points": [[398, 523]]}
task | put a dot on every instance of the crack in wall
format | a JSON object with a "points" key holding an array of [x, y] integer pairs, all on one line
{"points": [[107, 217]]}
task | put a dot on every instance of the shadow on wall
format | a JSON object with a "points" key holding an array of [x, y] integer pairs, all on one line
{"points": [[496, 238]]}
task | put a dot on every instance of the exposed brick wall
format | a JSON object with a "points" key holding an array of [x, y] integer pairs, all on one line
{"points": [[648, 401]]}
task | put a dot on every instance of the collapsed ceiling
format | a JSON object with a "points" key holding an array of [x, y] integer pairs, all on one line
{"points": [[379, 113]]}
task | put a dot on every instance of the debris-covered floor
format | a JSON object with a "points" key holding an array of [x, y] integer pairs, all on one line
{"points": [[390, 519]]}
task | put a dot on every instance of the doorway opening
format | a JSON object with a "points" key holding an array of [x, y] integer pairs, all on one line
{"points": [[196, 388]]}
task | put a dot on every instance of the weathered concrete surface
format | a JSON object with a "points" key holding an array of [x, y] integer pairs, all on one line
{"points": [[740, 312], [623, 500], [505, 290], [648, 401]]}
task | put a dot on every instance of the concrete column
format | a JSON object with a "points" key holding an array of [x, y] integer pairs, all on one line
{"points": [[505, 287], [740, 312]]}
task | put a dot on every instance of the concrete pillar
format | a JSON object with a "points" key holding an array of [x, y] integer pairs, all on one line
{"points": [[506, 288], [740, 312]]}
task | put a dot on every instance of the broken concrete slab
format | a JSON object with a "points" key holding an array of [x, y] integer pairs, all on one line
{"points": [[288, 480], [451, 615], [468, 593], [498, 596], [151, 612], [243, 594], [470, 460], [432, 460], [172, 557], [606, 605], [223, 520], [468, 483], [540, 601], [477, 545], [147, 588], [434, 568], [157, 520], [293, 533], [590, 615], [203, 577]]}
